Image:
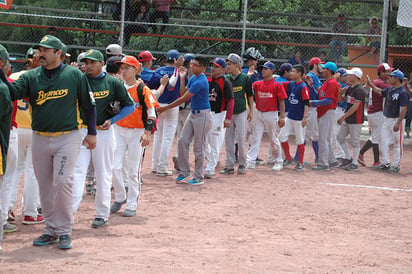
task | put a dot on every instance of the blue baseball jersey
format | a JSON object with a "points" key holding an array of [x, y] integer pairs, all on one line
{"points": [[199, 87], [256, 75], [170, 94], [395, 98], [343, 105], [297, 94], [146, 76], [316, 82]]}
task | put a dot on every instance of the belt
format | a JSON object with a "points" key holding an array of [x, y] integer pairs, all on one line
{"points": [[52, 134], [97, 127], [341, 108]]}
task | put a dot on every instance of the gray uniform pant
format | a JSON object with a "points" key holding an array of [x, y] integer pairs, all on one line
{"points": [[326, 140], [354, 131], [54, 159], [196, 128], [236, 132]]}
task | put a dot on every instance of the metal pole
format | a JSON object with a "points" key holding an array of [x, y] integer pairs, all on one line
{"points": [[385, 18], [122, 15], [244, 26]]}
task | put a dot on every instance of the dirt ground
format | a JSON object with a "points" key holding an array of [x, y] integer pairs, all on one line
{"points": [[261, 222]]}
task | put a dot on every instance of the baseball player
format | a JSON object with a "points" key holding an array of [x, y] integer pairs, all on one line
{"points": [[221, 103], [55, 92], [197, 124], [6, 109], [267, 95], [375, 115], [146, 58], [106, 89], [342, 77], [131, 136], [296, 119], [31, 199], [243, 95], [394, 111], [328, 100], [167, 121], [351, 121]]}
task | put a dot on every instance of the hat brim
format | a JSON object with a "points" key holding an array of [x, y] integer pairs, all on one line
{"points": [[121, 62], [90, 58], [220, 66], [37, 46]]}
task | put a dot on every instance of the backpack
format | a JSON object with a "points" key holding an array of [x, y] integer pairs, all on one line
{"points": [[144, 107]]}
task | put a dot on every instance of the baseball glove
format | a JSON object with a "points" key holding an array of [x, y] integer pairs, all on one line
{"points": [[113, 108]]}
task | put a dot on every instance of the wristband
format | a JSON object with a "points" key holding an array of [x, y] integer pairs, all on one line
{"points": [[150, 123]]}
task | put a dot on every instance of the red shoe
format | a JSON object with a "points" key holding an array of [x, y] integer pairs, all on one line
{"points": [[376, 165], [28, 220], [361, 161], [11, 216]]}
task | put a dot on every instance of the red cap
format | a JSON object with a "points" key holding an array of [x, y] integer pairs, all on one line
{"points": [[145, 56], [129, 60], [315, 60], [384, 67]]}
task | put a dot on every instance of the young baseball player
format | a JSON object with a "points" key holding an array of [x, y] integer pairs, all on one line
{"points": [[243, 96], [375, 115], [394, 111], [106, 89], [221, 103], [6, 109], [328, 100], [296, 119], [56, 91], [351, 121], [267, 95], [197, 124], [132, 136]]}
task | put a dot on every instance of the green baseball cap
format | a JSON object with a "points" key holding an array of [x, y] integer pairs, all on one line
{"points": [[30, 53], [4, 55], [93, 54], [50, 42]]}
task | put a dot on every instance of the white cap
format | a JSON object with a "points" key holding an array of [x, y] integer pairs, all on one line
{"points": [[80, 57], [114, 49], [355, 71]]}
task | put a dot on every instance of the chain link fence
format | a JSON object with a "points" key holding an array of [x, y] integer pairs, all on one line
{"points": [[206, 29]]}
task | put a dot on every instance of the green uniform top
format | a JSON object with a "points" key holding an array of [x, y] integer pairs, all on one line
{"points": [[6, 109], [107, 88], [55, 102], [242, 88]]}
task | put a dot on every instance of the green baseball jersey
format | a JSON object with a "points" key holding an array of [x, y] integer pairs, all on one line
{"points": [[56, 100], [242, 88], [6, 109], [105, 90]]}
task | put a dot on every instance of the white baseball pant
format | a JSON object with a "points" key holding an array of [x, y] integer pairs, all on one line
{"points": [[236, 132], [354, 131], [389, 136], [375, 122], [340, 153], [292, 127], [215, 140], [128, 140], [326, 138], [163, 138]]}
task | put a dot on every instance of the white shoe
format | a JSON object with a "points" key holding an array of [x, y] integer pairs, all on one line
{"points": [[277, 167], [165, 173], [250, 166]]}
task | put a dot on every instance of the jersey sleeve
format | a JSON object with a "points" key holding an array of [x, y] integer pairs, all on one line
{"points": [[227, 90], [21, 87], [404, 99], [281, 94], [85, 93], [248, 87], [149, 98], [305, 93], [121, 93]]}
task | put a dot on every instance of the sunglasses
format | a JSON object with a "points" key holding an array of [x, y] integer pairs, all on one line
{"points": [[195, 65]]}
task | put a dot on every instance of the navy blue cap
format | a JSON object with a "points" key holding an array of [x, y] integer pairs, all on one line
{"points": [[342, 71], [172, 55], [219, 62], [269, 65], [285, 67]]}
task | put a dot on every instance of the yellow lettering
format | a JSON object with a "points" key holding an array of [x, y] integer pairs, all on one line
{"points": [[100, 94], [237, 89], [43, 96]]}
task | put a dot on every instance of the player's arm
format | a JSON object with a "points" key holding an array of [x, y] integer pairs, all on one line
{"points": [[230, 102], [305, 113], [250, 94], [342, 94], [163, 83], [182, 75], [281, 122], [371, 85], [404, 100], [186, 97], [350, 111]]}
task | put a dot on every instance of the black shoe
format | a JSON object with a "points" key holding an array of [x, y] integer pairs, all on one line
{"points": [[45, 239], [65, 242], [345, 163], [99, 222], [334, 164], [116, 206], [287, 162], [299, 166], [227, 171]]}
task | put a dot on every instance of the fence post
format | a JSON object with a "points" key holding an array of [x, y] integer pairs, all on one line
{"points": [[122, 15], [384, 35], [244, 26]]}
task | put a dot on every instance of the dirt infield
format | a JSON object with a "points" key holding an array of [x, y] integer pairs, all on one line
{"points": [[261, 222]]}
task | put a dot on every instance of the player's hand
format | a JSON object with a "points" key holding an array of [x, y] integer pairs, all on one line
{"points": [[396, 127], [249, 116], [227, 123], [164, 80], [74, 64], [106, 125], [368, 81], [341, 119], [281, 122], [179, 61], [251, 71], [304, 122], [90, 141], [161, 109], [309, 80], [145, 139], [182, 72]]}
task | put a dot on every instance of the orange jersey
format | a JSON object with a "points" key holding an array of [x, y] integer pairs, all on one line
{"points": [[134, 120]]}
